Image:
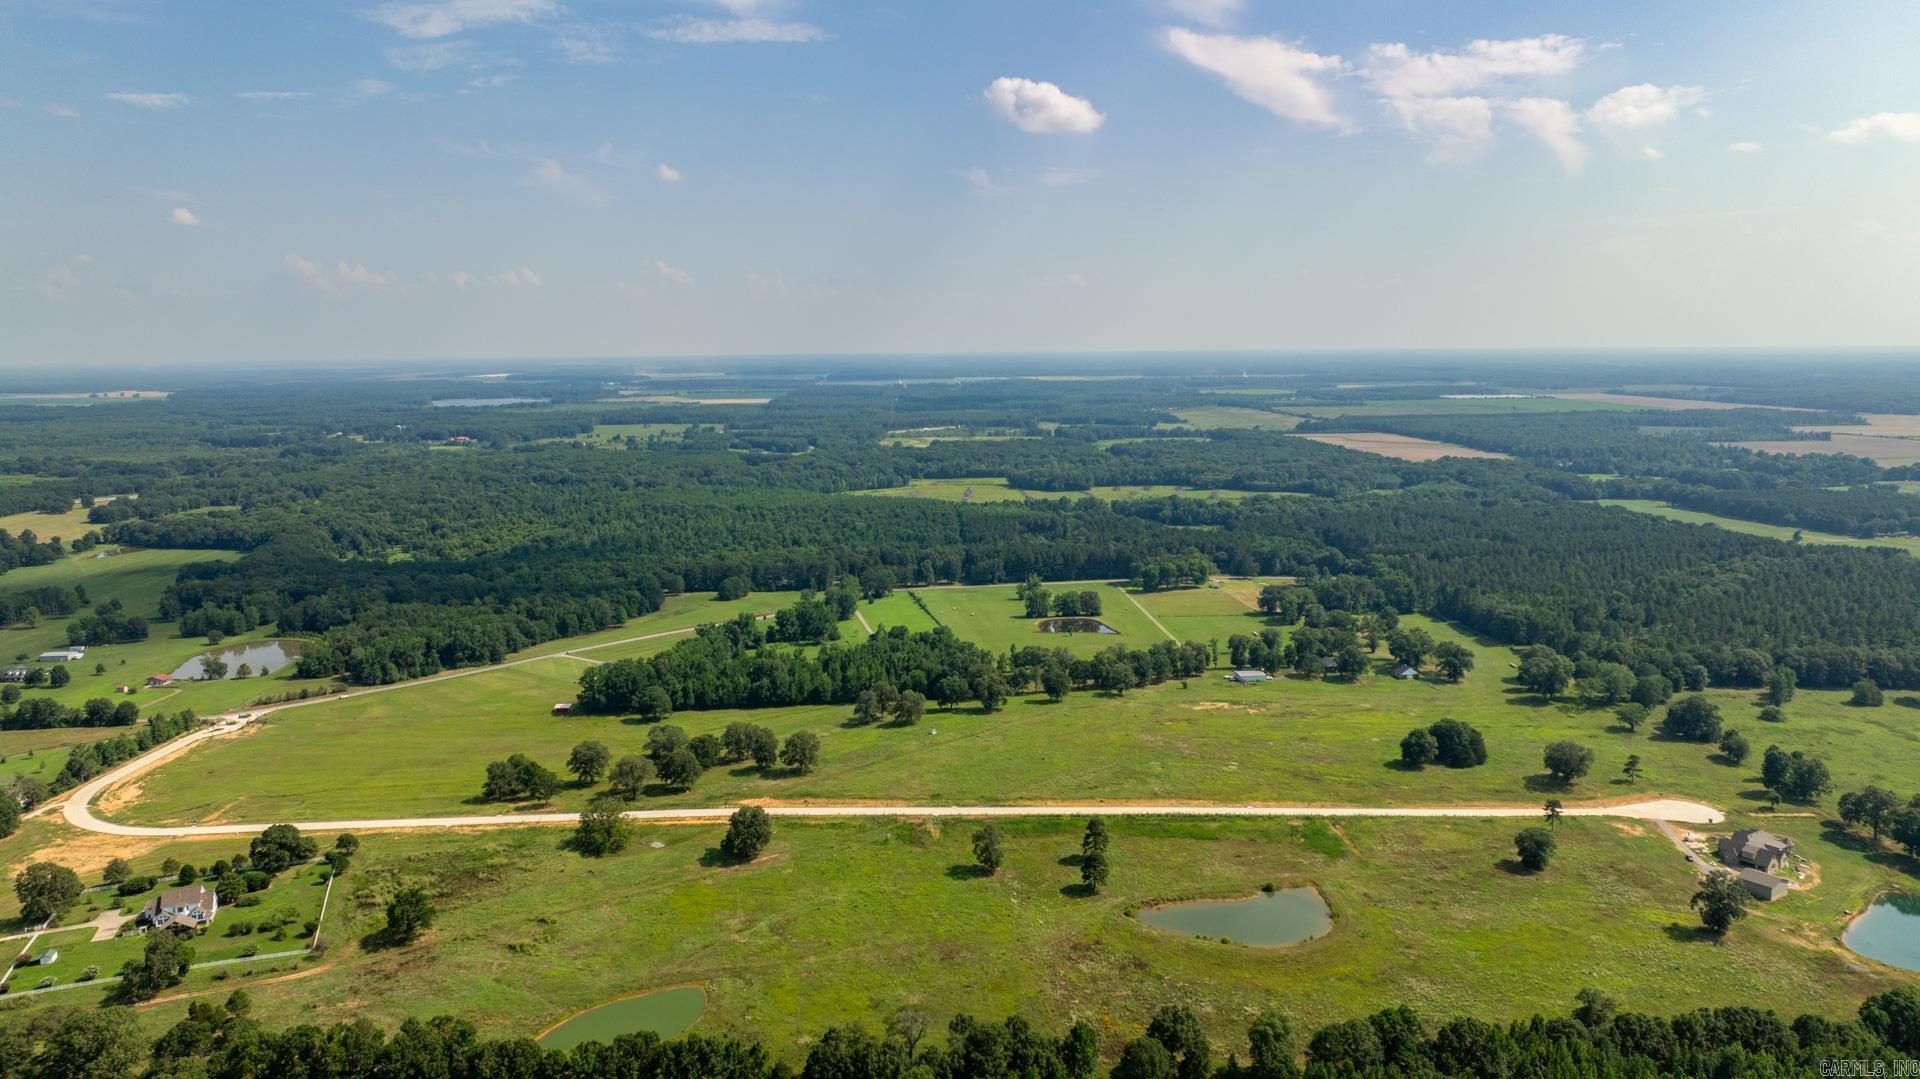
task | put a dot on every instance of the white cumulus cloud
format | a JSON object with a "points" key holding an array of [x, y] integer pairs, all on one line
{"points": [[674, 273], [1555, 124], [1041, 108], [1278, 76], [449, 17], [1901, 126], [1394, 70], [1744, 147], [1633, 108], [149, 101], [183, 216], [668, 173]]}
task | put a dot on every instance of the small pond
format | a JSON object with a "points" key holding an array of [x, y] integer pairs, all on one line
{"points": [[1075, 625], [258, 656], [1889, 931], [666, 1012], [1287, 916], [487, 402]]}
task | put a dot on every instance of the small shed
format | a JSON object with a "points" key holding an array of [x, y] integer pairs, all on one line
{"points": [[123, 688], [48, 957], [1763, 886], [157, 681], [1249, 677], [562, 709], [1329, 663], [1404, 672]]}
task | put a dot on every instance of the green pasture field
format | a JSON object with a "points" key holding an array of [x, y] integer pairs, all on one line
{"points": [[1291, 741], [68, 526], [1204, 614], [849, 921], [993, 618], [42, 753], [1909, 544], [1207, 417], [980, 489], [898, 609]]}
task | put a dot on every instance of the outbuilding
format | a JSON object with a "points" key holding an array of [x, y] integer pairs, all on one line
{"points": [[1249, 677], [1404, 672], [159, 681], [563, 708], [1763, 886]]}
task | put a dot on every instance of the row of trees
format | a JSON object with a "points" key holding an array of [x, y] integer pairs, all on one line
{"points": [[1596, 1039]]}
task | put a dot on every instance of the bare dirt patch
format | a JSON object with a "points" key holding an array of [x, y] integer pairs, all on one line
{"points": [[1879, 449], [1401, 447]]}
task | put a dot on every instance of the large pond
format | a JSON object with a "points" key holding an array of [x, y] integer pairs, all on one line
{"points": [[259, 656], [666, 1013], [1889, 931], [487, 402], [1287, 916], [1075, 625]]}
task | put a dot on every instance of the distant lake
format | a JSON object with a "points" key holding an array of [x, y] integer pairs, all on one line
{"points": [[1287, 916], [488, 402], [1889, 931], [666, 1012], [260, 655]]}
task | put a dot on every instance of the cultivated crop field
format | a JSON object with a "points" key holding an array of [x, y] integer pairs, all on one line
{"points": [[1402, 447]]}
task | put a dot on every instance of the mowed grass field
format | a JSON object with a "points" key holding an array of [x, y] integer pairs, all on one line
{"points": [[1205, 417], [1909, 544], [421, 750], [69, 526], [849, 921]]}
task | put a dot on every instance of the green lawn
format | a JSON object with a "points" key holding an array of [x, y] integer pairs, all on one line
{"points": [[1909, 544], [288, 905], [846, 922]]}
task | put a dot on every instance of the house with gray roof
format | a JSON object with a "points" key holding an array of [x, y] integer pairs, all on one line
{"points": [[185, 909], [1752, 847]]}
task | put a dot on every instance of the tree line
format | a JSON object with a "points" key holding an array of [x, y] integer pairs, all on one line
{"points": [[222, 1040]]}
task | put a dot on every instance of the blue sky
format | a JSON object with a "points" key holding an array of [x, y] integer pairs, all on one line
{"points": [[451, 178]]}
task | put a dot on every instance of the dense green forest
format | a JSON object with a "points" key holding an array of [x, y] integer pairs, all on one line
{"points": [[410, 538]]}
